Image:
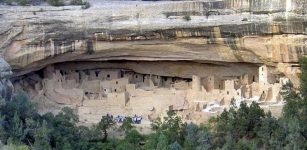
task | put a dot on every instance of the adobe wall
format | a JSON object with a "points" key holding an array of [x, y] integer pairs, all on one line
{"points": [[99, 91]]}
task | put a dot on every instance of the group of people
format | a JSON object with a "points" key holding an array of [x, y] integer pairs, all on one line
{"points": [[137, 119], [120, 119]]}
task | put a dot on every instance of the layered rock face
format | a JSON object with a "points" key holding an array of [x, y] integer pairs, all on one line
{"points": [[223, 38]]}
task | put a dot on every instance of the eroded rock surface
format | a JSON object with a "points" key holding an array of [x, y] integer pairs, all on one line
{"points": [[226, 39]]}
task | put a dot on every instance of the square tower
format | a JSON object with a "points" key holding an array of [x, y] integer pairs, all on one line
{"points": [[263, 75]]}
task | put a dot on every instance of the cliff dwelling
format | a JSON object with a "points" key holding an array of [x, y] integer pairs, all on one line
{"points": [[98, 90], [144, 58]]}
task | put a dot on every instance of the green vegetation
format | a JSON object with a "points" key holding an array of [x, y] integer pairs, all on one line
{"points": [[55, 2], [86, 5], [241, 128], [187, 18], [76, 2]]}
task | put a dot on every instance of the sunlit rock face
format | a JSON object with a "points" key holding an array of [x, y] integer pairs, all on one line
{"points": [[226, 39]]}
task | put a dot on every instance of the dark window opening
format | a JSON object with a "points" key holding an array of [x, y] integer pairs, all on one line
{"points": [[136, 76], [227, 92], [97, 73], [253, 78], [108, 76], [116, 82], [87, 72], [114, 90]]}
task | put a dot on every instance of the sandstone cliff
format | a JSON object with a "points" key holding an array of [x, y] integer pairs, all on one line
{"points": [[219, 33]]}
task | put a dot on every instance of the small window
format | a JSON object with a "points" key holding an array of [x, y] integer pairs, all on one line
{"points": [[262, 92], [108, 76], [105, 90], [136, 76], [227, 92], [165, 79], [97, 73], [262, 68], [238, 93], [116, 82], [115, 90]]}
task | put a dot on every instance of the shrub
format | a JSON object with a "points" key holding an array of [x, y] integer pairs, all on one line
{"points": [[187, 18], [86, 5], [244, 19], [76, 2], [127, 124], [8, 2], [55, 2], [22, 2]]}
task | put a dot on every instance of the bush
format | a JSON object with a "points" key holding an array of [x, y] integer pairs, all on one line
{"points": [[127, 125], [76, 2], [55, 2], [22, 2], [86, 5], [8, 2], [187, 18]]}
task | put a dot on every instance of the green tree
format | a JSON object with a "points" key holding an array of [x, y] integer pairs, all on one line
{"points": [[175, 146], [162, 142], [77, 2], [172, 127], [187, 18], [271, 133], [55, 2], [42, 139], [124, 145], [191, 136], [152, 141], [13, 146], [22, 2], [204, 140], [105, 123], [16, 132], [21, 105], [295, 138], [127, 125], [134, 137]]}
